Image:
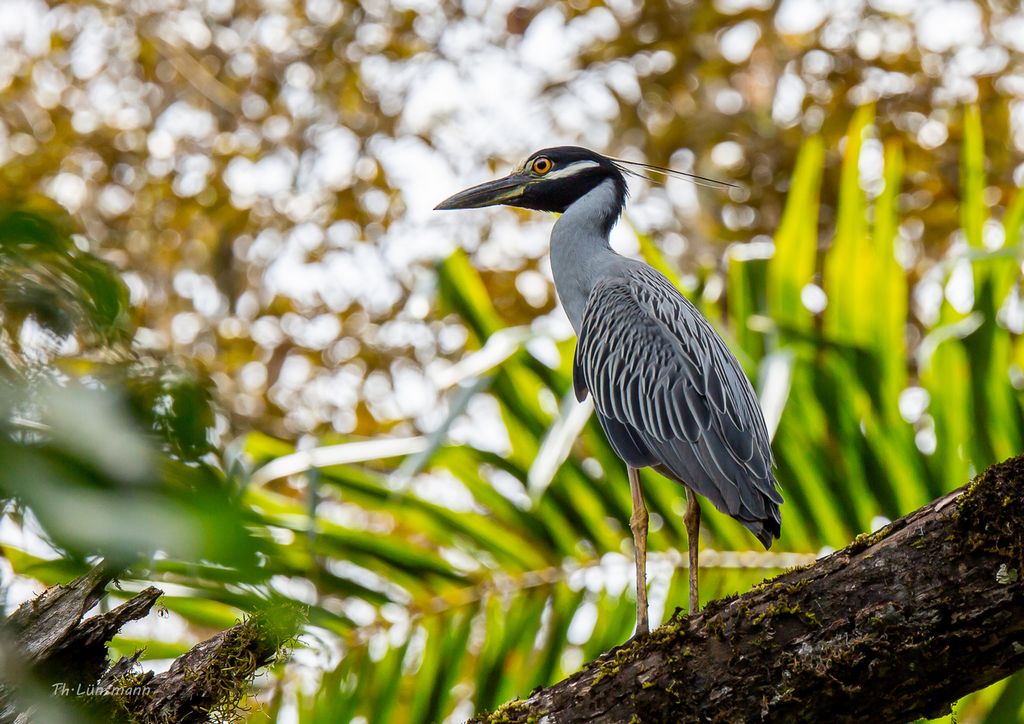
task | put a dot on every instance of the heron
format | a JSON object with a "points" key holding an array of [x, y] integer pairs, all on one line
{"points": [[668, 392]]}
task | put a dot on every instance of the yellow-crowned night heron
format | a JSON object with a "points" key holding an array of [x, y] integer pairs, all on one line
{"points": [[668, 392]]}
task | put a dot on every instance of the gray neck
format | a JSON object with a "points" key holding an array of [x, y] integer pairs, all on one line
{"points": [[580, 253]]}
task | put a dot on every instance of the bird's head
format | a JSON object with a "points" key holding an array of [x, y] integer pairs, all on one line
{"points": [[549, 180]]}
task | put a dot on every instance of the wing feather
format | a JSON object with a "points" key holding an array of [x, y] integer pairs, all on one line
{"points": [[667, 385]]}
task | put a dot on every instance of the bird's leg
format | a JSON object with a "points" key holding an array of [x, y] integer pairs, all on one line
{"points": [[638, 524], [692, 521]]}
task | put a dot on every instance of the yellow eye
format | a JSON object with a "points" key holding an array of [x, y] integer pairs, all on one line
{"points": [[542, 165]]}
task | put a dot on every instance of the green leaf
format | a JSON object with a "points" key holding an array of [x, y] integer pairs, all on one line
{"points": [[792, 266]]}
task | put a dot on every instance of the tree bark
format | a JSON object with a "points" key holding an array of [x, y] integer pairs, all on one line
{"points": [[53, 657], [896, 626]]}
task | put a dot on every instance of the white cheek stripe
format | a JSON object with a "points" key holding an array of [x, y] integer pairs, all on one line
{"points": [[572, 168]]}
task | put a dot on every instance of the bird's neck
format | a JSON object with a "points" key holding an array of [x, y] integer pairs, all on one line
{"points": [[580, 252]]}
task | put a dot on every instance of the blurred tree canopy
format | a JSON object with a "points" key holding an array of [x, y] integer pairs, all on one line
{"points": [[263, 172], [216, 237]]}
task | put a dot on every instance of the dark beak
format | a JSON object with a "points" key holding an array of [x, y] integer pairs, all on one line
{"points": [[503, 191]]}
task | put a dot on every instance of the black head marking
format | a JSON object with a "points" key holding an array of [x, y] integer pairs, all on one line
{"points": [[552, 179], [573, 172]]}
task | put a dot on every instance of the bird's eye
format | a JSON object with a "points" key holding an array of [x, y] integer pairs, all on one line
{"points": [[542, 165]]}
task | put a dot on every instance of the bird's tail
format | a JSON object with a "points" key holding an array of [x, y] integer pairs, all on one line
{"points": [[765, 530]]}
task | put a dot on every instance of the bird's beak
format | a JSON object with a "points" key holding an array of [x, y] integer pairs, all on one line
{"points": [[501, 191]]}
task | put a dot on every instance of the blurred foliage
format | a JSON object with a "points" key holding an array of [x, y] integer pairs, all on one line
{"points": [[265, 174], [105, 447], [253, 182], [46, 278]]}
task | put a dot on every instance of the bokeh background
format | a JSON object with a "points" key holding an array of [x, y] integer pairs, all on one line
{"points": [[242, 354]]}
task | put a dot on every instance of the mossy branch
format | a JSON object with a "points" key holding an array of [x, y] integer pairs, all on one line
{"points": [[210, 679], [896, 626], [51, 651]]}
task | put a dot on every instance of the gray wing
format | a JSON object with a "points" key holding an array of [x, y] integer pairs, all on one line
{"points": [[671, 395]]}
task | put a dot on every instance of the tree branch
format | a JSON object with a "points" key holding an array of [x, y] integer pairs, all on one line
{"points": [[898, 625], [51, 650], [211, 678]]}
